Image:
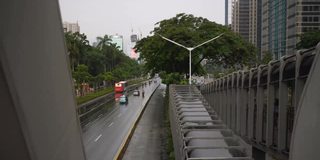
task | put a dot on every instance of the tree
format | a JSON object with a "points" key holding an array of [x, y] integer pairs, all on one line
{"points": [[309, 39], [95, 62], [81, 75], [103, 41], [230, 50], [90, 64], [77, 45], [267, 57]]}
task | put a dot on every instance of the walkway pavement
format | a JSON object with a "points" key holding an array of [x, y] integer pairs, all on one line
{"points": [[147, 141]]}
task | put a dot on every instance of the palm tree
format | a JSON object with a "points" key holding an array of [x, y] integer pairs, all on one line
{"points": [[103, 41], [77, 45], [73, 50]]}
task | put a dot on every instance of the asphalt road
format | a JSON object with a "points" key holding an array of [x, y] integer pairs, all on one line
{"points": [[103, 137], [147, 141]]}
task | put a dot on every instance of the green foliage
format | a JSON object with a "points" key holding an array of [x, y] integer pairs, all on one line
{"points": [[172, 78], [105, 62], [108, 76], [309, 39], [77, 45], [94, 95], [230, 50], [267, 57], [102, 92], [95, 61], [103, 41], [81, 75]]}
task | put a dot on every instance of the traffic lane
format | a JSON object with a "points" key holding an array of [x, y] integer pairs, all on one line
{"points": [[106, 144], [146, 141], [97, 124], [103, 149], [110, 131]]}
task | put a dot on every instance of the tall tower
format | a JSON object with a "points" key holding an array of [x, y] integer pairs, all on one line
{"points": [[133, 40], [226, 13], [240, 18]]}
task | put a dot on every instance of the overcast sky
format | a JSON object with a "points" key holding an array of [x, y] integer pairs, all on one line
{"points": [[100, 17]]}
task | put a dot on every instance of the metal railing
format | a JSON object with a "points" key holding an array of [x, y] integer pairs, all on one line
{"points": [[197, 130], [260, 104]]}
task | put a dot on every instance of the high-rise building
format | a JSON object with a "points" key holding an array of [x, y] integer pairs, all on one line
{"points": [[283, 21], [255, 23], [133, 40], [240, 18], [274, 26], [71, 27], [302, 16], [226, 12], [118, 40], [274, 23], [235, 16]]}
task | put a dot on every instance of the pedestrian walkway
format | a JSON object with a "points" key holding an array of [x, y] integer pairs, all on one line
{"points": [[146, 141]]}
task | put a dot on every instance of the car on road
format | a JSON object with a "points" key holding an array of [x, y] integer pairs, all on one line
{"points": [[123, 99], [136, 93]]}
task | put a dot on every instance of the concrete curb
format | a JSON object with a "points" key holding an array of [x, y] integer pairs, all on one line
{"points": [[125, 142]]}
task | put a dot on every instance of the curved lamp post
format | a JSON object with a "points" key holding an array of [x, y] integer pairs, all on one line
{"points": [[190, 49]]}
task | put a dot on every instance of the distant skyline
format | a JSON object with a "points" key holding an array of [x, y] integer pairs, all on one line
{"points": [[100, 17]]}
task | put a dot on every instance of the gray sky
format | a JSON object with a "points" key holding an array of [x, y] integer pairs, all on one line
{"points": [[100, 17]]}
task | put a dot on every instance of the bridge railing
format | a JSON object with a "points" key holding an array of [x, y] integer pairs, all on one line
{"points": [[260, 104], [197, 130]]}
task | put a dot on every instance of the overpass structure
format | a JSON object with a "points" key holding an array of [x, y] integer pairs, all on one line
{"points": [[197, 130], [273, 107]]}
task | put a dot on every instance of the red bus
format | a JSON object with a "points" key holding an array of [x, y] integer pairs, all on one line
{"points": [[120, 86]]}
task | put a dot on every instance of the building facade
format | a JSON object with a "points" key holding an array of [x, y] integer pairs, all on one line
{"points": [[240, 18], [253, 21], [255, 11], [118, 40], [274, 24], [303, 16], [235, 16], [71, 27], [283, 21]]}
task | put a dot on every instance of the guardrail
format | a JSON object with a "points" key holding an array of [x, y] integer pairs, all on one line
{"points": [[198, 132], [87, 110], [260, 104]]}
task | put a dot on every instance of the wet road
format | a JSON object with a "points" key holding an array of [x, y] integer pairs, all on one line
{"points": [[148, 141], [103, 137]]}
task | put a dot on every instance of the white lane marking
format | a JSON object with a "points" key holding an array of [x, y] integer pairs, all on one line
{"points": [[99, 115], [110, 124], [98, 138], [119, 115]]}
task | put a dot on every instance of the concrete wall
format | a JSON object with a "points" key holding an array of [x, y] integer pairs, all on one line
{"points": [[38, 117]]}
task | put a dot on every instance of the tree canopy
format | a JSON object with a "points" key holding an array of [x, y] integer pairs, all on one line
{"points": [[230, 50], [105, 62], [309, 39]]}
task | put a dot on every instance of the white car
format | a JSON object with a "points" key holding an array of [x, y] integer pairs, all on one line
{"points": [[136, 93], [123, 99]]}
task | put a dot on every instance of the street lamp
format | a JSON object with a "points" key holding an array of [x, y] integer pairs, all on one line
{"points": [[190, 49]]}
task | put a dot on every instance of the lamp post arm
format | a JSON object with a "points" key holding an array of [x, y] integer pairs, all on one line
{"points": [[208, 41], [176, 43]]}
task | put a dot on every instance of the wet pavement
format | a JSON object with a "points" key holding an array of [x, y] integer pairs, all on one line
{"points": [[146, 141], [103, 137]]}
